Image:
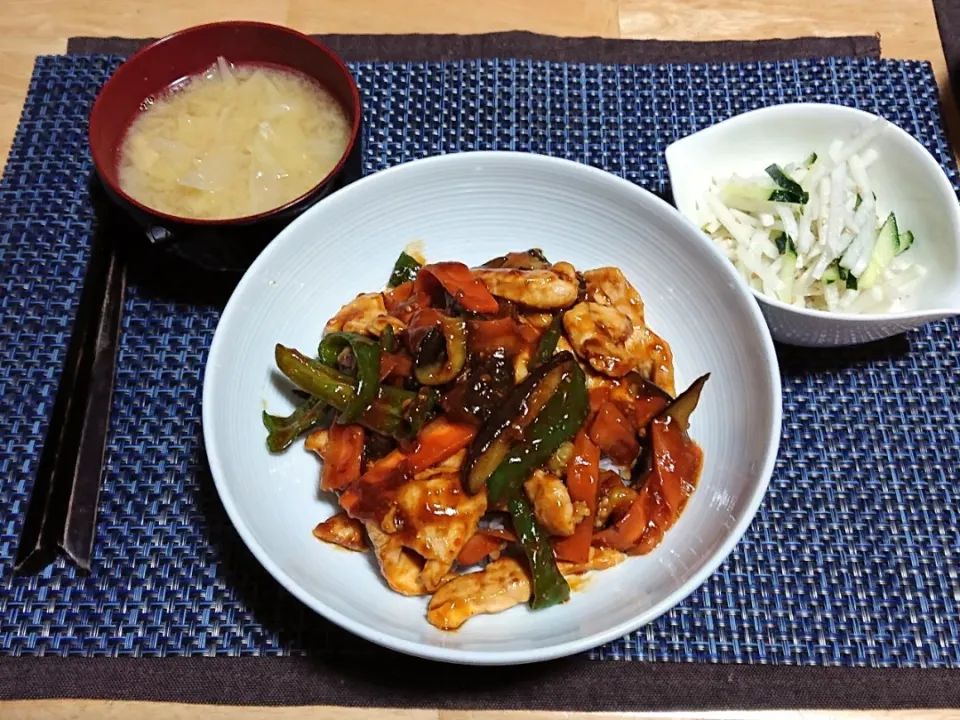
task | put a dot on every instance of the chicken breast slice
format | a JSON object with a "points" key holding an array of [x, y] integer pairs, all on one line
{"points": [[436, 516], [428, 523], [343, 531], [600, 334], [502, 584], [318, 441], [610, 333], [609, 286], [366, 314], [400, 567], [552, 505], [544, 289]]}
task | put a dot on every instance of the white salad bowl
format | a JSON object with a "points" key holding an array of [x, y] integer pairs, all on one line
{"points": [[906, 179], [472, 207]]}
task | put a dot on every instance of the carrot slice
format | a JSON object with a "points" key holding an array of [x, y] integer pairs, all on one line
{"points": [[456, 279], [392, 299], [628, 529], [484, 543], [646, 409], [614, 434], [341, 464], [488, 336], [676, 460], [438, 441], [583, 476], [598, 396], [396, 364]]}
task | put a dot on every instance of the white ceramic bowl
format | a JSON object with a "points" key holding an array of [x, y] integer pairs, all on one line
{"points": [[472, 207], [906, 178]]}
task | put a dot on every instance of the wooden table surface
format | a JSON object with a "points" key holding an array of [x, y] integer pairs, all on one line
{"points": [[907, 29]]}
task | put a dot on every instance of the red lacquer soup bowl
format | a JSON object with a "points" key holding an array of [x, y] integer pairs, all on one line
{"points": [[230, 244]]}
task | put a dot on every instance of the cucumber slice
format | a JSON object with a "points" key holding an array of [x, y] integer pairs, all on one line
{"points": [[831, 274], [906, 240], [785, 245], [810, 160], [787, 272], [886, 248], [777, 174], [757, 198], [847, 278]]}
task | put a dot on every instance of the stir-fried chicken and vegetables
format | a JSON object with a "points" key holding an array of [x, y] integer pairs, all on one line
{"points": [[492, 432]]}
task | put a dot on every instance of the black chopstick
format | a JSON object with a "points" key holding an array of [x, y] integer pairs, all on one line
{"points": [[62, 513]]}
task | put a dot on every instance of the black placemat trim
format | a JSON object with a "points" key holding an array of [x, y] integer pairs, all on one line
{"points": [[532, 46], [572, 685], [948, 23]]}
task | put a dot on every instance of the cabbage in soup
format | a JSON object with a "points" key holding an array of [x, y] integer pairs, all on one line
{"points": [[233, 141]]}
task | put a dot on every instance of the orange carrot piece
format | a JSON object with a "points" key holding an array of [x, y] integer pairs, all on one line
{"points": [[676, 461], [628, 529], [598, 396], [646, 409], [341, 464], [456, 279], [484, 543], [392, 299], [614, 434], [396, 364], [583, 477], [438, 441]]}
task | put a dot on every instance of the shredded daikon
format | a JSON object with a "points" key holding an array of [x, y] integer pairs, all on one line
{"points": [[809, 233]]}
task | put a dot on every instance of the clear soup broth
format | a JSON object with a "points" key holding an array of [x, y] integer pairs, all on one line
{"points": [[233, 141]]}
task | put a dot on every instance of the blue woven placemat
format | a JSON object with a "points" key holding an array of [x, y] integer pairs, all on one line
{"points": [[852, 559]]}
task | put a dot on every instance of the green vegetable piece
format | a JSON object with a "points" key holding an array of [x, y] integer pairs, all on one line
{"points": [[388, 340], [366, 352], [885, 249], [404, 270], [549, 340], [788, 184], [282, 431], [549, 586], [680, 410], [851, 281], [906, 240], [785, 244], [558, 421], [502, 429], [385, 415], [858, 203], [419, 410], [454, 332], [810, 160], [785, 196], [831, 274]]}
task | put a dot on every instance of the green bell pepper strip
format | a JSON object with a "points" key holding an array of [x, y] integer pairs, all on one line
{"points": [[558, 421], [387, 414], [388, 340], [404, 270], [282, 431], [420, 409], [366, 353], [506, 425], [548, 341], [549, 586]]}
